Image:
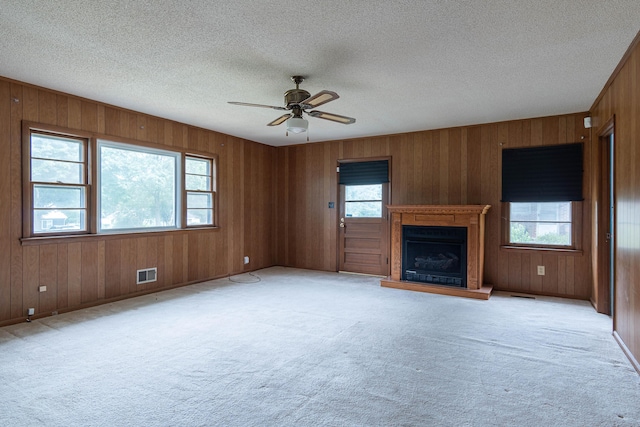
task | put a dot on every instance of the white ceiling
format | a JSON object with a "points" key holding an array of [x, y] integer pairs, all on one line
{"points": [[398, 65]]}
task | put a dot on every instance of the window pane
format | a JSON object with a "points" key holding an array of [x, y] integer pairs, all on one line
{"points": [[56, 221], [197, 166], [197, 182], [363, 192], [198, 200], [49, 196], [56, 171], [363, 209], [50, 147], [540, 223], [199, 216], [137, 189], [548, 211], [541, 233]]}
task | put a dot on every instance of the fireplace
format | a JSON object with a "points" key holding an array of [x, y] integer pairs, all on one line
{"points": [[435, 255], [438, 249]]}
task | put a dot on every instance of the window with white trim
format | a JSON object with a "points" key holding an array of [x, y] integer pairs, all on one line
{"points": [[199, 188], [540, 223], [138, 188], [363, 201], [58, 191], [75, 183]]}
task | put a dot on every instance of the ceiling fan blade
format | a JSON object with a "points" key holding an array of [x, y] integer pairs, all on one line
{"points": [[333, 117], [280, 120], [320, 98], [246, 104]]}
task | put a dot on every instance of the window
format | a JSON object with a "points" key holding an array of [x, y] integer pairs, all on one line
{"points": [[58, 184], [542, 191], [540, 223], [77, 184], [363, 187], [363, 201], [199, 187], [137, 187]]}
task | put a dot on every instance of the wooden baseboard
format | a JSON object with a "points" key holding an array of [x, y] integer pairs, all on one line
{"points": [[627, 352], [96, 303], [498, 288], [484, 293]]}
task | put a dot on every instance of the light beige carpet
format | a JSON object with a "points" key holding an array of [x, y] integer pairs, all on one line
{"points": [[305, 348]]}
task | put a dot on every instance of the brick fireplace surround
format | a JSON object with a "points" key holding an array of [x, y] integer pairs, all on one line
{"points": [[469, 216]]}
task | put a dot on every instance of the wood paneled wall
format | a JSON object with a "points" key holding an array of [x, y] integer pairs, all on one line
{"points": [[449, 166], [621, 100], [273, 204], [85, 272]]}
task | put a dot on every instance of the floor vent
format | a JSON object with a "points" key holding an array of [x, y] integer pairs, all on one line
{"points": [[147, 275]]}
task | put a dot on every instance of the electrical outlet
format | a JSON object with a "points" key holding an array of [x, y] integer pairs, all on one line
{"points": [[246, 260], [541, 270], [42, 289], [31, 311]]}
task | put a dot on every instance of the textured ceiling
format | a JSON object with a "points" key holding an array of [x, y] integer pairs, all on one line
{"points": [[398, 66]]}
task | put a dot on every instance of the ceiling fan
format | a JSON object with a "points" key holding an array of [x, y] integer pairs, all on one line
{"points": [[298, 101]]}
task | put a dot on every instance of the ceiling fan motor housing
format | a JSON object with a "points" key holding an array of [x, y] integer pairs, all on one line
{"points": [[295, 97]]}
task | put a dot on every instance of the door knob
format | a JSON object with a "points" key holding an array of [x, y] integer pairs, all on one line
{"points": [[342, 225]]}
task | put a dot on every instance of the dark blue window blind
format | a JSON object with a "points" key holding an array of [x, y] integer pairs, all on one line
{"points": [[364, 173], [542, 174]]}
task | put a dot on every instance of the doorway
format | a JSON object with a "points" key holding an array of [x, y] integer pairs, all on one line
{"points": [[363, 228], [605, 298], [610, 232]]}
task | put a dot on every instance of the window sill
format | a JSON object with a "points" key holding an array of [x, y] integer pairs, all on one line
{"points": [[72, 238], [529, 249]]}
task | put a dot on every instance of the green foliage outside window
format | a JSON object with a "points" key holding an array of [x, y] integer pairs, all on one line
{"points": [[519, 234], [137, 189]]}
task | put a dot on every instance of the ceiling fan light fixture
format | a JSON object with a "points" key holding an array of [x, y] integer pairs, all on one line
{"points": [[297, 125]]}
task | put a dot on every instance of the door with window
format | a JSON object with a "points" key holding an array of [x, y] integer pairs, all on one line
{"points": [[363, 225]]}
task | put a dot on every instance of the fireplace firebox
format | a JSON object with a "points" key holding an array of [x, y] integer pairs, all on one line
{"points": [[433, 254]]}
